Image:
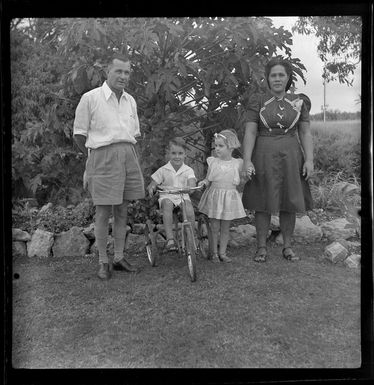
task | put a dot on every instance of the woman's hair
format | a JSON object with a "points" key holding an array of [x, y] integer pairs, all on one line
{"points": [[178, 141], [230, 138], [285, 64]]}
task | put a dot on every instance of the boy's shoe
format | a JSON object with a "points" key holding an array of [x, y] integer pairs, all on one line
{"points": [[104, 271], [170, 245], [224, 258]]}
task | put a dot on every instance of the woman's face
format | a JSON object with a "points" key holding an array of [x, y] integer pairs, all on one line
{"points": [[278, 79]]}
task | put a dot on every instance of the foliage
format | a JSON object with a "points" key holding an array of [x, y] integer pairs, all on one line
{"points": [[337, 115], [337, 148], [332, 192], [339, 44], [55, 219], [44, 163]]}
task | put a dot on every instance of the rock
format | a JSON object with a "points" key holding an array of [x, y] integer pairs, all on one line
{"points": [[71, 243], [306, 231], [338, 228], [89, 232], [243, 235], [274, 223], [353, 261], [138, 228], [135, 242], [45, 207], [40, 244], [279, 239], [20, 235], [19, 249], [335, 252]]}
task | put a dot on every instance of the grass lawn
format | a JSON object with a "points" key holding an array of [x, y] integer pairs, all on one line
{"points": [[239, 315]]}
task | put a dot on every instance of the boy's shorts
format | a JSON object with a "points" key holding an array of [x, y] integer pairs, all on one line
{"points": [[113, 174]]}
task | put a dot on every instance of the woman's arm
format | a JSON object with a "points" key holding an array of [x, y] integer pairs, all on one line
{"points": [[306, 141], [248, 144]]}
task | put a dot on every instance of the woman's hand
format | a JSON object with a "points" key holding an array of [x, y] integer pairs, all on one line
{"points": [[248, 170], [308, 169]]}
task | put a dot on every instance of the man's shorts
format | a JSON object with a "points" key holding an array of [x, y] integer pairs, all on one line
{"points": [[113, 174]]}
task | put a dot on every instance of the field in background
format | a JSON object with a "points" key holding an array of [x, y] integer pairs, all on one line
{"points": [[337, 148], [351, 128]]}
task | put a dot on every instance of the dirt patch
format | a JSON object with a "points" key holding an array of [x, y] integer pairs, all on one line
{"points": [[244, 315]]}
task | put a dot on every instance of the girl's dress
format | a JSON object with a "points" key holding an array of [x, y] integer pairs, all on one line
{"points": [[222, 200], [278, 184]]}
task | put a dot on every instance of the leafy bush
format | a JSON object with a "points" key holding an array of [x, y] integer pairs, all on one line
{"points": [[55, 219]]}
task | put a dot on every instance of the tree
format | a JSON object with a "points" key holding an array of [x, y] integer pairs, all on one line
{"points": [[339, 44]]}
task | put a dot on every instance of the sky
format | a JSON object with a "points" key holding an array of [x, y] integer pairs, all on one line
{"points": [[338, 96]]}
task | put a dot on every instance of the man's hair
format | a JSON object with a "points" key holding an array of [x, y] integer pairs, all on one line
{"points": [[178, 141], [119, 56], [285, 64]]}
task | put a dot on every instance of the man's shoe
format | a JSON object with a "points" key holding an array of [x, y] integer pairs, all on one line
{"points": [[123, 265], [104, 272]]}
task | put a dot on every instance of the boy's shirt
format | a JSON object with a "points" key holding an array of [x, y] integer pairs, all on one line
{"points": [[167, 176]]}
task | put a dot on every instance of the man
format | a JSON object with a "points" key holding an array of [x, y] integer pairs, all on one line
{"points": [[105, 127]]}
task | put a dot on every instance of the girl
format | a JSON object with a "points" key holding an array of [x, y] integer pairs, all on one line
{"points": [[221, 202]]}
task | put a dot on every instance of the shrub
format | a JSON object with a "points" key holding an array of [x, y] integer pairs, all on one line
{"points": [[55, 219]]}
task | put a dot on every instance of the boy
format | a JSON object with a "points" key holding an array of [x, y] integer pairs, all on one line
{"points": [[174, 174]]}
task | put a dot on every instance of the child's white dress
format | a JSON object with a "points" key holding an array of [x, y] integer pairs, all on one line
{"points": [[222, 200]]}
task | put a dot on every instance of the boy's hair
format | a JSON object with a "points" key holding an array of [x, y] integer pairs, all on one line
{"points": [[230, 138], [178, 141]]}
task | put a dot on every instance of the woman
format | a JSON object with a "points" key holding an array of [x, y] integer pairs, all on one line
{"points": [[277, 161]]}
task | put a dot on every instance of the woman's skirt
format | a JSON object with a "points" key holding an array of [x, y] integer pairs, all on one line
{"points": [[278, 184]]}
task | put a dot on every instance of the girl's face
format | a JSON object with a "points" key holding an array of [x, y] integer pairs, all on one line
{"points": [[221, 149], [278, 79], [176, 156]]}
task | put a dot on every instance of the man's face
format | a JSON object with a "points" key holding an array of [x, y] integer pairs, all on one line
{"points": [[118, 75]]}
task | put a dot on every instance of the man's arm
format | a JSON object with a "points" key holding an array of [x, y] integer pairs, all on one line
{"points": [[80, 141]]}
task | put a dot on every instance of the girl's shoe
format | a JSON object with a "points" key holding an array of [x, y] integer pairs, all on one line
{"points": [[224, 258], [170, 245], [215, 258], [261, 254], [288, 254]]}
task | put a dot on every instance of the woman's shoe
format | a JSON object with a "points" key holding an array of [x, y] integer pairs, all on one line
{"points": [[215, 258], [224, 258], [288, 254], [170, 245], [261, 254]]}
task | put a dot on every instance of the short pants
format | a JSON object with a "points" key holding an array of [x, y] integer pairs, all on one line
{"points": [[113, 174]]}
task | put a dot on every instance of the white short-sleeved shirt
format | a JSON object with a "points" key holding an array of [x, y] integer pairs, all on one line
{"points": [[167, 176], [103, 120]]}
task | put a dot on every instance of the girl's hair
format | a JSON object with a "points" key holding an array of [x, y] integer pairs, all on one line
{"points": [[230, 138], [285, 64], [178, 141]]}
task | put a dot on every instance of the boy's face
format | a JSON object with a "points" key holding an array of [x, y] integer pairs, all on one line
{"points": [[176, 156]]}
